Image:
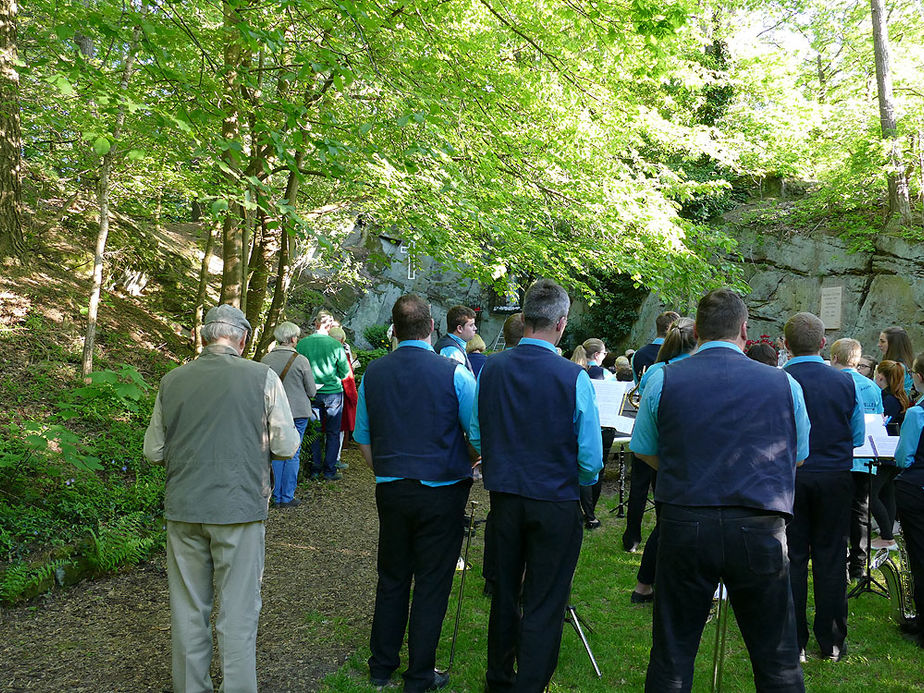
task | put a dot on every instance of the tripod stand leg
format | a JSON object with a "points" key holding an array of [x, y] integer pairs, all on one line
{"points": [[721, 623], [575, 620], [455, 629]]}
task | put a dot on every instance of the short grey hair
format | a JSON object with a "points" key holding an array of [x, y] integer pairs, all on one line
{"points": [[286, 332], [216, 330], [545, 304]]}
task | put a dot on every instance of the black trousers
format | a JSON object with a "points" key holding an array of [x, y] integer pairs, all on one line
{"points": [[859, 512], [639, 483], [646, 569], [882, 499], [591, 494], [544, 538], [819, 530], [910, 500], [747, 549], [420, 536]]}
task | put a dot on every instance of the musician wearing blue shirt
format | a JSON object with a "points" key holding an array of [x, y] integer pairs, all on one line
{"points": [[460, 329], [412, 417], [909, 495], [536, 425], [845, 356], [725, 434], [820, 526]]}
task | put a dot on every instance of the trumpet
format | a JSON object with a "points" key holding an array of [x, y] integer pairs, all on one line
{"points": [[898, 579]]}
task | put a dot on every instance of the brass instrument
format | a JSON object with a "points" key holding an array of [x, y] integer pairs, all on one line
{"points": [[898, 579]]}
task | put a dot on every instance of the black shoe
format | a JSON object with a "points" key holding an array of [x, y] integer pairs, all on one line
{"points": [[629, 545], [911, 627], [380, 683], [439, 681], [639, 598], [592, 524], [336, 476], [294, 503]]}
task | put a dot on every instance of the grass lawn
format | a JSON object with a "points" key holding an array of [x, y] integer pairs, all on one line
{"points": [[879, 659]]}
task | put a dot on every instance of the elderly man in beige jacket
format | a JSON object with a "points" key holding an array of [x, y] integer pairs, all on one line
{"points": [[216, 422]]}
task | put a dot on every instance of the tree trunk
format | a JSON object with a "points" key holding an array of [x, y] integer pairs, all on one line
{"points": [[284, 268], [201, 291], [259, 280], [90, 341], [12, 243], [232, 278], [899, 198]]}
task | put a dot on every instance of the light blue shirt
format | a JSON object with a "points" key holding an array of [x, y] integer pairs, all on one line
{"points": [[654, 368], [657, 340], [909, 436], [871, 396], [464, 383], [586, 421], [645, 434], [453, 353], [857, 422]]}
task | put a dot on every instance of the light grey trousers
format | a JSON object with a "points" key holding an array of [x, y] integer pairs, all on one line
{"points": [[231, 557]]}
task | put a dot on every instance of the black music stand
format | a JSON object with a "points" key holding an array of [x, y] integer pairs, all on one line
{"points": [[866, 582]]}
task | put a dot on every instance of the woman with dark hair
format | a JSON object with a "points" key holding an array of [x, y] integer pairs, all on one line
{"points": [[895, 345], [679, 343], [890, 376], [764, 353], [909, 493]]}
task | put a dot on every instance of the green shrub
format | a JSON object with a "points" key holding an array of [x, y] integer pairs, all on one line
{"points": [[365, 356], [377, 336]]}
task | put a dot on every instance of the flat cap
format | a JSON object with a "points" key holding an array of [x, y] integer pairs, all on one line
{"points": [[228, 315]]}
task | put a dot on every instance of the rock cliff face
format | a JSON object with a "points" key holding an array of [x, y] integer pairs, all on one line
{"points": [[441, 286], [880, 288]]}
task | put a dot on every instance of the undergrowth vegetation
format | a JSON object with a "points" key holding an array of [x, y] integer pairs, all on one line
{"points": [[77, 496]]}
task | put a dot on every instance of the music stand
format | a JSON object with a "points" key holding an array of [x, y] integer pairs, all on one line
{"points": [[866, 582], [572, 617]]}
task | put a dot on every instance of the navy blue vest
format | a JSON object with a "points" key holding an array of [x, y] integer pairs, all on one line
{"points": [[447, 341], [727, 433], [414, 417], [830, 398], [915, 473], [526, 401], [596, 372], [643, 358]]}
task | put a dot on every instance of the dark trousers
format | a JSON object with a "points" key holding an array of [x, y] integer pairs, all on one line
{"points": [[591, 494], [544, 538], [330, 406], [859, 514], [639, 483], [910, 500], [882, 499], [819, 530], [646, 569], [747, 549], [420, 536]]}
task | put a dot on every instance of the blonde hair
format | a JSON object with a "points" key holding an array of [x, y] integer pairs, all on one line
{"points": [[847, 351], [476, 343], [590, 346]]}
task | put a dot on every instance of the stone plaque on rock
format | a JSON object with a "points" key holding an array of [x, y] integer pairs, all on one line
{"points": [[831, 299]]}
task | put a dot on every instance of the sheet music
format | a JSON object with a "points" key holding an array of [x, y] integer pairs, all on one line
{"points": [[878, 443], [610, 394]]}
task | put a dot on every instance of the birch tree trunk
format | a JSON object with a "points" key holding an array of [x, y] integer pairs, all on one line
{"points": [[102, 236], [201, 291]]}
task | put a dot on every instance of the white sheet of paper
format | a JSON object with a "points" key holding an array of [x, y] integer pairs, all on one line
{"points": [[610, 394], [878, 443]]}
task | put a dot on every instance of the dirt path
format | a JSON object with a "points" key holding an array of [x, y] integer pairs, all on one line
{"points": [[114, 634]]}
